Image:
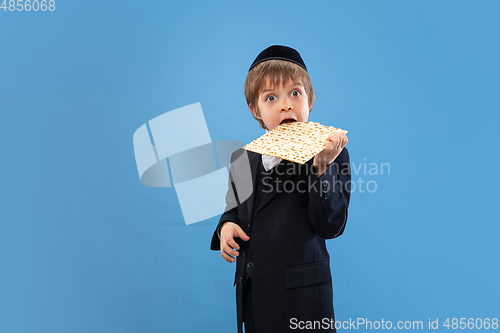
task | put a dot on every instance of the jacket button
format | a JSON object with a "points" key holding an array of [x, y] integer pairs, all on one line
{"points": [[248, 225], [250, 265], [327, 195], [326, 186], [241, 279], [244, 253]]}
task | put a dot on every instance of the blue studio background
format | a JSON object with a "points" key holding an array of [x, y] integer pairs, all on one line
{"points": [[85, 247]]}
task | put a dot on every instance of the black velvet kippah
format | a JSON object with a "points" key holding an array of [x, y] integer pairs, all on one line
{"points": [[281, 53]]}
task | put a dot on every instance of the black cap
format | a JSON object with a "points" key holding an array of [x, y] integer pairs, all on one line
{"points": [[281, 53]]}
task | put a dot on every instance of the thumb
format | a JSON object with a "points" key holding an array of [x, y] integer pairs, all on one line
{"points": [[315, 161], [241, 234]]}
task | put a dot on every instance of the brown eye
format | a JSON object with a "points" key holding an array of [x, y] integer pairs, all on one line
{"points": [[270, 98], [295, 93]]}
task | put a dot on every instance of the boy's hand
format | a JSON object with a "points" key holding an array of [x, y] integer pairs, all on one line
{"points": [[228, 232], [334, 143]]}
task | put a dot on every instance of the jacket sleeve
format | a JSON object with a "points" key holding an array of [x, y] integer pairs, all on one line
{"points": [[232, 202], [329, 198]]}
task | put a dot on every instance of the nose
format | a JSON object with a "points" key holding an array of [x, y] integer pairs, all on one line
{"points": [[286, 105]]}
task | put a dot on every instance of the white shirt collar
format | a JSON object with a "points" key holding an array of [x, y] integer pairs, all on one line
{"points": [[269, 162]]}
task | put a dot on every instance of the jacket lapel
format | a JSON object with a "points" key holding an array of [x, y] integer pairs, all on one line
{"points": [[277, 183]]}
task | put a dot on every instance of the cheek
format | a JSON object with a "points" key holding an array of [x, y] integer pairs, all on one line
{"points": [[305, 107]]}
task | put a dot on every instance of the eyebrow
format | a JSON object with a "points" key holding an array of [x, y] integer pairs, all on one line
{"points": [[298, 85]]}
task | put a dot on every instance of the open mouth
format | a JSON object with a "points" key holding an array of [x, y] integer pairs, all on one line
{"points": [[288, 120]]}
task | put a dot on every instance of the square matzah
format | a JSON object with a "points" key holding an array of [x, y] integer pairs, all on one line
{"points": [[296, 142]]}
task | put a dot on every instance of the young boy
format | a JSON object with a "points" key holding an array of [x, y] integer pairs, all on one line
{"points": [[277, 227]]}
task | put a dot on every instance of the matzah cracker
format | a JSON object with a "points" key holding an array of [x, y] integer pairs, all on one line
{"points": [[296, 142]]}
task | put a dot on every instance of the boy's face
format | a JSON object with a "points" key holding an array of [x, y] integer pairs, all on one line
{"points": [[283, 103]]}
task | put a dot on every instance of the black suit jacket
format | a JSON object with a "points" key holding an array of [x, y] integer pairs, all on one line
{"points": [[287, 252]]}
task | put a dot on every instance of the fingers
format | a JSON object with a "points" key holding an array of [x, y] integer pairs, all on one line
{"points": [[227, 250], [334, 144], [228, 245], [335, 141], [227, 257], [344, 140], [231, 230], [330, 146], [232, 244], [241, 234], [339, 144]]}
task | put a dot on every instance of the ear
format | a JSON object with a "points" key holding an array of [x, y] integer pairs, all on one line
{"points": [[254, 111]]}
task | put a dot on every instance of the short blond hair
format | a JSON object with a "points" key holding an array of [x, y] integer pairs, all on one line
{"points": [[278, 72]]}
